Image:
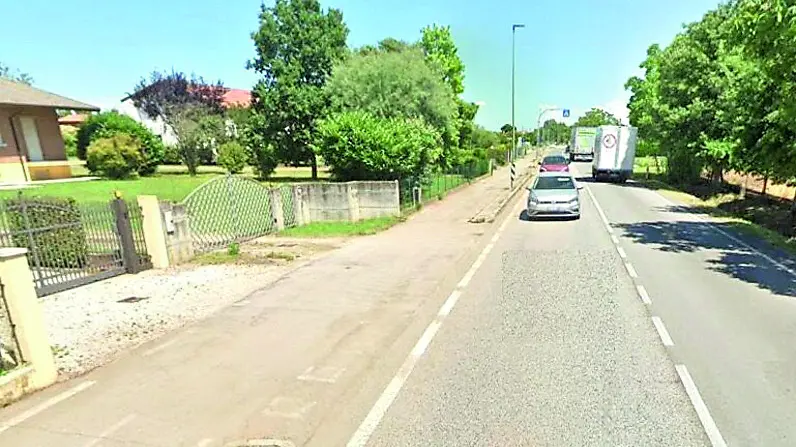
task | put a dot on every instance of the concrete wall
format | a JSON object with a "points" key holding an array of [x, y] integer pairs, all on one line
{"points": [[346, 201]]}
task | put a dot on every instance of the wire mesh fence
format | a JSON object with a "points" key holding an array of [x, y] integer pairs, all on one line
{"points": [[288, 206], [415, 190]]}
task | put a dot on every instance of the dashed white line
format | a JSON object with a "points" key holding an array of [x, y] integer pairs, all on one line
{"points": [[447, 307], [662, 332], [390, 393], [631, 270], [111, 430], [621, 252], [159, 348], [24, 416], [642, 293], [716, 440]]}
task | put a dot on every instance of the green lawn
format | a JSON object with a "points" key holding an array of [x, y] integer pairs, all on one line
{"points": [[170, 183], [342, 228]]}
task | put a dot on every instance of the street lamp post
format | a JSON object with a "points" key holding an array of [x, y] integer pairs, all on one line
{"points": [[513, 130]]}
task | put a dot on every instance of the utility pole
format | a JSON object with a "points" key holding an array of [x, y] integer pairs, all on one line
{"points": [[513, 130]]}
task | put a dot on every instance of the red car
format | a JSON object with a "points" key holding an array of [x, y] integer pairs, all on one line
{"points": [[554, 163]]}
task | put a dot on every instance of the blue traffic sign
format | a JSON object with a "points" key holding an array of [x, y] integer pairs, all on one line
{"points": [[566, 113]]}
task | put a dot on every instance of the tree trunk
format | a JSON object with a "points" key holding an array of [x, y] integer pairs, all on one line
{"points": [[314, 167], [657, 165], [765, 184], [744, 185], [792, 222]]}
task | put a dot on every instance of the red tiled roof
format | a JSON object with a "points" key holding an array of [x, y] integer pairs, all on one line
{"points": [[72, 120], [237, 97]]}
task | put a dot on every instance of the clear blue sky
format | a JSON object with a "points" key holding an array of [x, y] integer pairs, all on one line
{"points": [[575, 53]]}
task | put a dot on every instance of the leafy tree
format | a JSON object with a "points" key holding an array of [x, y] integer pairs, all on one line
{"points": [[357, 145], [198, 131], [232, 156], [165, 95], [297, 45], [597, 117], [14, 75], [396, 85], [506, 129], [440, 49]]}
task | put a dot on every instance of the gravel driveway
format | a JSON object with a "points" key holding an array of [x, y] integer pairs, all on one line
{"points": [[91, 325]]}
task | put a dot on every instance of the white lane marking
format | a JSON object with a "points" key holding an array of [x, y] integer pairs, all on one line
{"points": [[376, 414], [662, 332], [621, 252], [642, 293], [159, 348], [204, 442], [110, 430], [495, 237], [716, 440], [615, 239], [599, 209], [447, 307], [325, 374], [24, 416], [425, 340], [630, 270]]}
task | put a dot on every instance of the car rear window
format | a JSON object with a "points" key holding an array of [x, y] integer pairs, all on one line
{"points": [[554, 160], [558, 182]]}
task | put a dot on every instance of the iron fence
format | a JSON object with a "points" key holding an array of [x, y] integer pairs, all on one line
{"points": [[10, 353], [71, 244]]}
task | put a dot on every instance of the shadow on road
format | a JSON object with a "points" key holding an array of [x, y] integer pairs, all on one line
{"points": [[524, 216], [734, 259]]}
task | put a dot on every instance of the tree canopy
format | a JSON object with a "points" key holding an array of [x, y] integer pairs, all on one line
{"points": [[7, 72], [597, 117]]}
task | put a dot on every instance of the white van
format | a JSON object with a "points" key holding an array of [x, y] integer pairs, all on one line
{"points": [[614, 152]]}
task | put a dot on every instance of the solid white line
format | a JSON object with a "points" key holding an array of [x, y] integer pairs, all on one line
{"points": [[642, 293], [615, 239], [447, 307], [204, 442], [111, 430], [630, 270], [376, 414], [716, 440], [159, 348], [24, 416], [621, 252], [599, 208], [425, 340], [662, 332]]}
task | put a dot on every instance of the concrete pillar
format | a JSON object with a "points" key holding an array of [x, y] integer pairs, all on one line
{"points": [[352, 191], [26, 314], [154, 231], [180, 238], [276, 209]]}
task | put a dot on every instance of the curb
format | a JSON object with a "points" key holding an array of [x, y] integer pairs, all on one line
{"points": [[488, 218]]}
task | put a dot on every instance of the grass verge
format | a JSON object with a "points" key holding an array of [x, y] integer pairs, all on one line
{"points": [[343, 228]]}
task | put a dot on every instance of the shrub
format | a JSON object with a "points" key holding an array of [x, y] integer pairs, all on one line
{"points": [[171, 155], [359, 146], [63, 246], [115, 157], [106, 124], [232, 156], [70, 143], [262, 154]]}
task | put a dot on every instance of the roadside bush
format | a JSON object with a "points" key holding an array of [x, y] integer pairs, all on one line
{"points": [[106, 124], [60, 247], [114, 157], [498, 153], [261, 153], [171, 155], [359, 146], [232, 156]]}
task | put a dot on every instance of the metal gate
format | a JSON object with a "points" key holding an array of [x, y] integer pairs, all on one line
{"points": [[234, 209], [71, 244]]}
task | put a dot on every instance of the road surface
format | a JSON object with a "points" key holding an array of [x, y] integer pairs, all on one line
{"points": [[639, 324]]}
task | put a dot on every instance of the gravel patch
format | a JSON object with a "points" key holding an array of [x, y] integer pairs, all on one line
{"points": [[90, 326]]}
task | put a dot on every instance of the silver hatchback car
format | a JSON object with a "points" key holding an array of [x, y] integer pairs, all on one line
{"points": [[554, 194]]}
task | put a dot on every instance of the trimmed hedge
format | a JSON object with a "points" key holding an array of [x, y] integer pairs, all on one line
{"points": [[107, 124], [62, 247]]}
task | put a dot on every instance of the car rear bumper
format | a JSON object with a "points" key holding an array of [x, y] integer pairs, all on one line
{"points": [[554, 209]]}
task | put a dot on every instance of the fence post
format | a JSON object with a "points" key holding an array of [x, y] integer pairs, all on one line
{"points": [[154, 231], [276, 209], [19, 293], [125, 231]]}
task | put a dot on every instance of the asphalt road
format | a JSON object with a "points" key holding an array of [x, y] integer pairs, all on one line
{"points": [[549, 344]]}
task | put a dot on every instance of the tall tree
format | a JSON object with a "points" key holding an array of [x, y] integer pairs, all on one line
{"points": [[440, 49], [7, 72], [297, 45], [597, 117], [165, 94]]}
